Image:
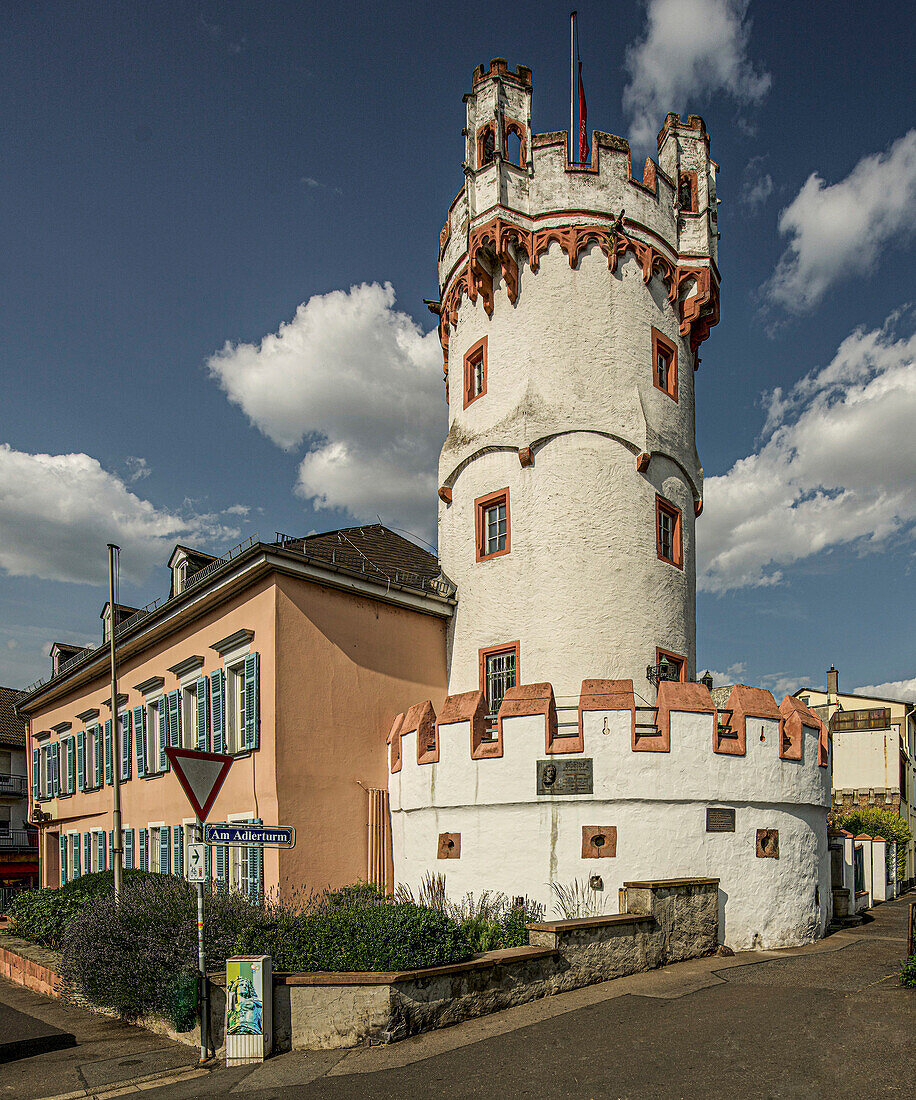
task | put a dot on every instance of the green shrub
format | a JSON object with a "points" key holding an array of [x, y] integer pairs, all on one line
{"points": [[44, 916], [908, 973], [877, 822], [395, 936]]}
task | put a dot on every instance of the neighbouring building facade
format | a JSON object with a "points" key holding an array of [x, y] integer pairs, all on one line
{"points": [[18, 838], [289, 656], [574, 743], [874, 752]]}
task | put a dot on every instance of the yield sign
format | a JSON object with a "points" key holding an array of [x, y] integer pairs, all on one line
{"points": [[201, 774]]}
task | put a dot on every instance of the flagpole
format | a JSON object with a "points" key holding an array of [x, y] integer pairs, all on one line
{"points": [[572, 88]]}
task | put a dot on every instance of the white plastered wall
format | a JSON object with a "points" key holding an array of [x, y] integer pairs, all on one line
{"points": [[517, 842]]}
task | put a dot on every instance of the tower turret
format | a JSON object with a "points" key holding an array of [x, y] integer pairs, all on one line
{"points": [[574, 299]]}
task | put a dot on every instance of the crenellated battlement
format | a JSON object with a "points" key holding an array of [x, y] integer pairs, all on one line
{"points": [[521, 194], [791, 724]]}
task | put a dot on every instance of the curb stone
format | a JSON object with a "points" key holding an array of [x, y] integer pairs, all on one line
{"points": [[135, 1084]]}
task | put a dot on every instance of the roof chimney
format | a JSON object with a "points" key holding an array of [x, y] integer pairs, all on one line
{"points": [[833, 684]]}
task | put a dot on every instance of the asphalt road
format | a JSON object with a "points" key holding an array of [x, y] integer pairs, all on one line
{"points": [[826, 1021]]}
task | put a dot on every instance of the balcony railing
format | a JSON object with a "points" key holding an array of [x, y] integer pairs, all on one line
{"points": [[16, 786], [19, 840]]}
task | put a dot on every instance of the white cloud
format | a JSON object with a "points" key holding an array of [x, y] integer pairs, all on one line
{"points": [[58, 512], [757, 185], [892, 689], [836, 467], [841, 229], [361, 384], [690, 51], [138, 467]]}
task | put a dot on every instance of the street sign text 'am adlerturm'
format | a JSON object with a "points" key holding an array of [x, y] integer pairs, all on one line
{"points": [[251, 836]]}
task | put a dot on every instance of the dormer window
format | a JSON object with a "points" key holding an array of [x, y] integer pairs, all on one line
{"points": [[181, 577]]}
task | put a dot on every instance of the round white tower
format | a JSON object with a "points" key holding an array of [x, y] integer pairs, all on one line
{"points": [[573, 302], [574, 746]]}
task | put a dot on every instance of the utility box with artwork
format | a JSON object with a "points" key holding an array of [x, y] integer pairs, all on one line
{"points": [[249, 1009]]}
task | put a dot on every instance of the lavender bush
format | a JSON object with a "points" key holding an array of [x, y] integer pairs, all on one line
{"points": [[140, 958]]}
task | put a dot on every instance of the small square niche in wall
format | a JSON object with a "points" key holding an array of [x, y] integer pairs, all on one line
{"points": [[449, 846], [768, 844], [599, 841]]}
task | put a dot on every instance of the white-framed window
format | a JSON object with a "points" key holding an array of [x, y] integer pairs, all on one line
{"points": [[154, 846], [235, 707], [245, 865], [189, 715], [90, 758], [152, 734], [181, 577]]}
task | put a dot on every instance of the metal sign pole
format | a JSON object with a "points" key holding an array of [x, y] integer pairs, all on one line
{"points": [[204, 992]]}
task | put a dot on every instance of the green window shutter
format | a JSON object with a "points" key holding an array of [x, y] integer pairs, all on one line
{"points": [[71, 765], [140, 739], [203, 713], [164, 842], [111, 848], [77, 869], [36, 773], [109, 754], [177, 853], [163, 732], [63, 860], [218, 710], [54, 769], [87, 851], [255, 884], [142, 847], [174, 719], [128, 849], [80, 760], [125, 745], [100, 848], [252, 701], [222, 869], [97, 734]]}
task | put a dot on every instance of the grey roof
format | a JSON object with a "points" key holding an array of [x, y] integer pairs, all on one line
{"points": [[12, 727]]}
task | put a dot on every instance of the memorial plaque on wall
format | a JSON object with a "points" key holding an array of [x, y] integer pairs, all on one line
{"points": [[565, 776], [719, 819]]}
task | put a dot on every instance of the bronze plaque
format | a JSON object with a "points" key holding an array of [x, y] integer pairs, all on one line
{"points": [[565, 776], [719, 819]]}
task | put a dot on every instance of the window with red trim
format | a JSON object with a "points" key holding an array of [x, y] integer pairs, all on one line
{"points": [[687, 191], [492, 525], [486, 145], [514, 143], [475, 372], [668, 540], [498, 672], [664, 364]]}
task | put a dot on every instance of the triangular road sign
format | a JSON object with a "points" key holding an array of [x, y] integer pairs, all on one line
{"points": [[201, 775]]}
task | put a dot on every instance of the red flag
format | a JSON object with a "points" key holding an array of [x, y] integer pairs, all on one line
{"points": [[583, 115]]}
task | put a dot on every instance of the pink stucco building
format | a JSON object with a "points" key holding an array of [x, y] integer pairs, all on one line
{"points": [[290, 656]]}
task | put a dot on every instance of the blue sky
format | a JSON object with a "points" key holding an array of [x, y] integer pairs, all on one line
{"points": [[182, 181]]}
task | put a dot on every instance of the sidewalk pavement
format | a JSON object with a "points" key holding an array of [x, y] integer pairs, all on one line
{"points": [[828, 1020], [67, 1050]]}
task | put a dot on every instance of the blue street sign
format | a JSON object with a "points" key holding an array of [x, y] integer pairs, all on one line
{"points": [[251, 836]]}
